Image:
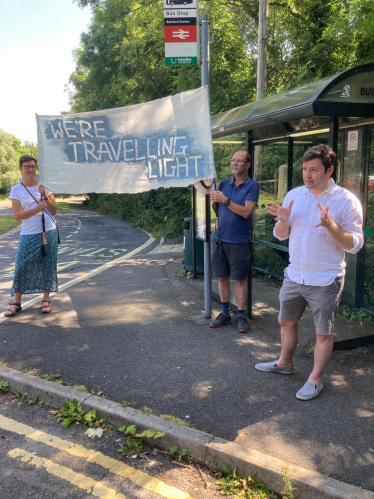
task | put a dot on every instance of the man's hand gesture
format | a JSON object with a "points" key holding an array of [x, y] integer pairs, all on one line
{"points": [[279, 212], [325, 219]]}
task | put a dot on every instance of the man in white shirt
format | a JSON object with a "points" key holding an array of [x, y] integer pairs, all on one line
{"points": [[322, 220]]}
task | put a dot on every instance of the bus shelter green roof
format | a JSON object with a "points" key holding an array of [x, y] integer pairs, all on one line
{"points": [[346, 94]]}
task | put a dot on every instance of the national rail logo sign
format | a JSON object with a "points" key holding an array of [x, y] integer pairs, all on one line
{"points": [[179, 34]]}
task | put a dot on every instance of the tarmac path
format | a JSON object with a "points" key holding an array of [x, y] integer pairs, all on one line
{"points": [[89, 241], [137, 333]]}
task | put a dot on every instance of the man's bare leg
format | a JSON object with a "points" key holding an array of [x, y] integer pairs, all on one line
{"points": [[241, 293], [322, 353], [289, 340], [224, 288]]}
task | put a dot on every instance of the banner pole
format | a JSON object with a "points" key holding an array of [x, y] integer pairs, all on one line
{"points": [[205, 63]]}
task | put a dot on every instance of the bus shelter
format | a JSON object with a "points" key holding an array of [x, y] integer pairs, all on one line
{"points": [[337, 110]]}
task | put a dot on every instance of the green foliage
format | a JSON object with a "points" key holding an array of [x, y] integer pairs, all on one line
{"points": [[51, 377], [152, 434], [121, 58], [7, 224], [267, 278], [72, 411], [173, 419], [133, 445], [128, 430], [11, 149], [4, 386], [146, 410], [80, 388], [9, 171], [288, 488], [121, 62], [63, 206], [91, 418], [355, 314], [233, 485], [44, 404], [25, 148], [33, 401], [180, 453], [32, 372], [184, 273]]}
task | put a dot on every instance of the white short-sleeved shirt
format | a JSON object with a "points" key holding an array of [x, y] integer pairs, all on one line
{"points": [[32, 225]]}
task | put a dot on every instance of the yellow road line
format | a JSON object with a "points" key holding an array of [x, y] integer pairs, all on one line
{"points": [[82, 481], [116, 467], [87, 275]]}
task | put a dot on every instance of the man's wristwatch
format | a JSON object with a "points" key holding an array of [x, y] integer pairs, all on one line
{"points": [[227, 202]]}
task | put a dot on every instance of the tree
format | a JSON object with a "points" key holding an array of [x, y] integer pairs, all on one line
{"points": [[121, 58], [9, 172], [25, 148]]}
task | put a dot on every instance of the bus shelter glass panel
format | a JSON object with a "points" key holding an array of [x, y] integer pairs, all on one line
{"points": [[353, 163], [368, 292], [270, 171], [269, 260], [223, 149]]}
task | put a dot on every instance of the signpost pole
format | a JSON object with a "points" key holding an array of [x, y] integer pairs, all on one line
{"points": [[207, 245]]}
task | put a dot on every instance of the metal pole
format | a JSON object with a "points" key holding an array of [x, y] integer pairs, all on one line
{"points": [[251, 174], [205, 62], [263, 14]]}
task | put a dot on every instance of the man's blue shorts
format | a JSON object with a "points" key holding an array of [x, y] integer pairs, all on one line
{"points": [[230, 259]]}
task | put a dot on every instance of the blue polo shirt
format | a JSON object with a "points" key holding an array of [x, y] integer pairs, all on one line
{"points": [[234, 228]]}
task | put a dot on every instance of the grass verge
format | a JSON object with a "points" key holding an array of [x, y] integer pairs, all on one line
{"points": [[63, 206], [7, 224]]}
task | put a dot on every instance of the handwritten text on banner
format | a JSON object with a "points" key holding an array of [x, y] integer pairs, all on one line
{"points": [[163, 143]]}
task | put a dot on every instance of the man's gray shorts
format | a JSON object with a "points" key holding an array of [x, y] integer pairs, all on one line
{"points": [[322, 300]]}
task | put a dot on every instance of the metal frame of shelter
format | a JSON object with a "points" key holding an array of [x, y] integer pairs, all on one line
{"points": [[332, 105]]}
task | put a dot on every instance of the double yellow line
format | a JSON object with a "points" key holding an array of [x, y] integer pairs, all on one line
{"points": [[79, 480]]}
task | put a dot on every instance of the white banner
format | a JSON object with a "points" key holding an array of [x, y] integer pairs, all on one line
{"points": [[164, 143]]}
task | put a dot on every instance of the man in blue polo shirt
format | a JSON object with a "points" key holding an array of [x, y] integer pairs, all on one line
{"points": [[234, 203]]}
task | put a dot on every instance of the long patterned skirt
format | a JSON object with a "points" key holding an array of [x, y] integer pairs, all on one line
{"points": [[34, 273]]}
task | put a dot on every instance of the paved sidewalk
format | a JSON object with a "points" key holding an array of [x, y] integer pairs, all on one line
{"points": [[137, 332]]}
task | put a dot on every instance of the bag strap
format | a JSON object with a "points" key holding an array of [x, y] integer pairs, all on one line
{"points": [[37, 202]]}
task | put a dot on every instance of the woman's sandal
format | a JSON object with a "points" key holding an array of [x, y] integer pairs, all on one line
{"points": [[46, 306], [11, 313]]}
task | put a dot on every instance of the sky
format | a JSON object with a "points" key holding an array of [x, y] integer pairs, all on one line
{"points": [[37, 38]]}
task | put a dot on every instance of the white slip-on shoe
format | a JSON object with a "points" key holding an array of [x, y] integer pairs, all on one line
{"points": [[309, 391], [271, 367]]}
